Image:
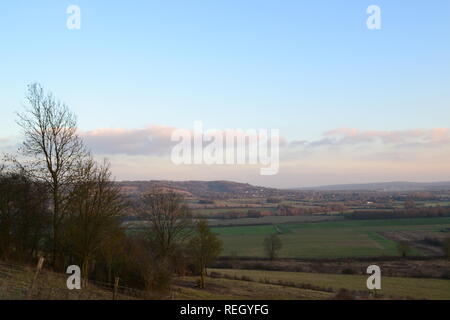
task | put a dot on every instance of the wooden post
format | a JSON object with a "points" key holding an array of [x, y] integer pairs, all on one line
{"points": [[116, 285], [38, 269]]}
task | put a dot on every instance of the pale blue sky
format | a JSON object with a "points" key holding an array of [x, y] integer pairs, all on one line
{"points": [[304, 67]]}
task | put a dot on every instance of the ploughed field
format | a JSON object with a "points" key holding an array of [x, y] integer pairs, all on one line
{"points": [[336, 239]]}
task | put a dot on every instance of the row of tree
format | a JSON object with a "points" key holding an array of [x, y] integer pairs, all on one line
{"points": [[58, 202], [425, 212]]}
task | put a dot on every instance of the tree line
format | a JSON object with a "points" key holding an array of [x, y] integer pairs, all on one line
{"points": [[57, 201], [425, 212]]}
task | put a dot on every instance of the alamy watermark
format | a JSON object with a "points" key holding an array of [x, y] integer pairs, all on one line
{"points": [[74, 20], [227, 147], [374, 19], [374, 281], [74, 280]]}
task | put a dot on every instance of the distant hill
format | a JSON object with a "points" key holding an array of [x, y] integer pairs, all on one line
{"points": [[230, 190], [384, 186], [199, 189]]}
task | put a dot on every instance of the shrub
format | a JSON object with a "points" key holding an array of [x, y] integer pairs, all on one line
{"points": [[348, 271], [404, 249], [446, 247], [432, 242]]}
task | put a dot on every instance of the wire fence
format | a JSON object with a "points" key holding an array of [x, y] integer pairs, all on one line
{"points": [[18, 282]]}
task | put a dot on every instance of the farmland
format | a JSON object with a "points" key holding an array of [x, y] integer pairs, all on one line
{"points": [[328, 241], [331, 239]]}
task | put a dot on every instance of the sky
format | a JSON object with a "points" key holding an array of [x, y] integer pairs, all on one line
{"points": [[351, 104]]}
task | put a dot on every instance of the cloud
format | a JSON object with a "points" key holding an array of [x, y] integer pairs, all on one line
{"points": [[399, 138], [340, 155], [151, 141], [154, 140], [297, 143]]}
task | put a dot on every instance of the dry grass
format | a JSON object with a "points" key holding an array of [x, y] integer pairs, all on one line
{"points": [[415, 288], [228, 289], [15, 283]]}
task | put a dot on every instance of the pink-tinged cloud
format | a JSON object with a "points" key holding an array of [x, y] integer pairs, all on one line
{"points": [[351, 136], [154, 140], [297, 143], [346, 154]]}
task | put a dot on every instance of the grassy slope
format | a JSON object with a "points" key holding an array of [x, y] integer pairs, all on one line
{"points": [[15, 282], [399, 287], [225, 289]]}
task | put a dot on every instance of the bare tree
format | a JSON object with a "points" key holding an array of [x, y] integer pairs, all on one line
{"points": [[205, 247], [23, 216], [169, 218], [169, 227], [52, 149], [446, 247], [272, 245], [95, 210], [112, 252], [404, 249]]}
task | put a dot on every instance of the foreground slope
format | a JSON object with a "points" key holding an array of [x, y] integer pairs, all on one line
{"points": [[396, 287]]}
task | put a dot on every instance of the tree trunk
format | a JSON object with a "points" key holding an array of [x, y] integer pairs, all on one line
{"points": [[202, 278], [55, 225], [85, 272], [109, 272]]}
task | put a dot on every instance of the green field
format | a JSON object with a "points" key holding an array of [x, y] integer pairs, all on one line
{"points": [[417, 288], [335, 239]]}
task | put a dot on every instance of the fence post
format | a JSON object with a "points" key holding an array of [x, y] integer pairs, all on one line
{"points": [[38, 269], [116, 285]]}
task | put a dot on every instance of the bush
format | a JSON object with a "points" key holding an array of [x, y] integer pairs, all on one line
{"points": [[432, 242], [446, 247], [203, 201], [159, 277], [404, 249], [348, 271]]}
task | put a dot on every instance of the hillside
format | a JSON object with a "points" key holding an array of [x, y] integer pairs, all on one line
{"points": [[230, 189], [200, 189], [15, 281]]}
